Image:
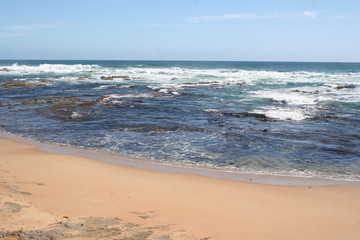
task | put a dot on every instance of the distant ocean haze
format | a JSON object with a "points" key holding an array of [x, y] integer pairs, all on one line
{"points": [[279, 118]]}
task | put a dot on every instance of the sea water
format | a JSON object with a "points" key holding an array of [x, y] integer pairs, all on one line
{"points": [[277, 118]]}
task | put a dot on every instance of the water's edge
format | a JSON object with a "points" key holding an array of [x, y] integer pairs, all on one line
{"points": [[147, 164]]}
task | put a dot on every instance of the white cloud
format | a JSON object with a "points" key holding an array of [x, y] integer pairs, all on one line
{"points": [[27, 27], [279, 15], [346, 16], [310, 14], [34, 26], [19, 34], [157, 25], [225, 16], [27, 30]]}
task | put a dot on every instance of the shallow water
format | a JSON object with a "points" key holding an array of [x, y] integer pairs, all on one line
{"points": [[297, 119]]}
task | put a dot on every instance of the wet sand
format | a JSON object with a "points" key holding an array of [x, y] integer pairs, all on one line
{"points": [[62, 196]]}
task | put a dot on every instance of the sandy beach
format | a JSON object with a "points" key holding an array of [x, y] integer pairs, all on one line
{"points": [[60, 196]]}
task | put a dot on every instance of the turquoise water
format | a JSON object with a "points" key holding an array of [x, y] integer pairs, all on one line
{"points": [[297, 119]]}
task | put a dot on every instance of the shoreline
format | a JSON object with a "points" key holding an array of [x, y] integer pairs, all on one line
{"points": [[162, 166], [64, 196]]}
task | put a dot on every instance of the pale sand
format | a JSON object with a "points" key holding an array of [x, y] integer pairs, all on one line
{"points": [[39, 189]]}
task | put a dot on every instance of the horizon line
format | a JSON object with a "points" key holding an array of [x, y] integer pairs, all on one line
{"points": [[167, 60]]}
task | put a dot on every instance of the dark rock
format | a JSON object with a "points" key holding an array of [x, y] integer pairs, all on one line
{"points": [[4, 70], [117, 87], [259, 116], [345, 86], [106, 78], [281, 101], [114, 77], [309, 92], [200, 83], [85, 78]]}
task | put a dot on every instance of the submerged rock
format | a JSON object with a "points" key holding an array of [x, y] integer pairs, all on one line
{"points": [[21, 84], [102, 99], [47, 100], [63, 108], [45, 81]]}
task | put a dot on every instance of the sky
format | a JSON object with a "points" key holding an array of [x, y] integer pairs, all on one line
{"points": [[219, 30]]}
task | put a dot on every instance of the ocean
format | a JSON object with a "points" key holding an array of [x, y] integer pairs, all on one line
{"points": [[271, 118]]}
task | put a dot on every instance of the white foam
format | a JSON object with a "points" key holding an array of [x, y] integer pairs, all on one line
{"points": [[211, 110], [294, 114], [114, 98], [291, 98], [75, 115], [49, 68], [174, 75]]}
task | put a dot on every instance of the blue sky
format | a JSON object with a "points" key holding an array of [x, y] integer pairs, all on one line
{"points": [[251, 30]]}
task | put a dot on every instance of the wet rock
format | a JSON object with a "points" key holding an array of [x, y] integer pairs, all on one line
{"points": [[4, 70], [307, 92], [114, 77], [259, 116], [345, 86], [200, 83], [84, 78], [106, 78], [117, 86], [311, 92], [45, 81], [21, 84], [281, 101]]}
